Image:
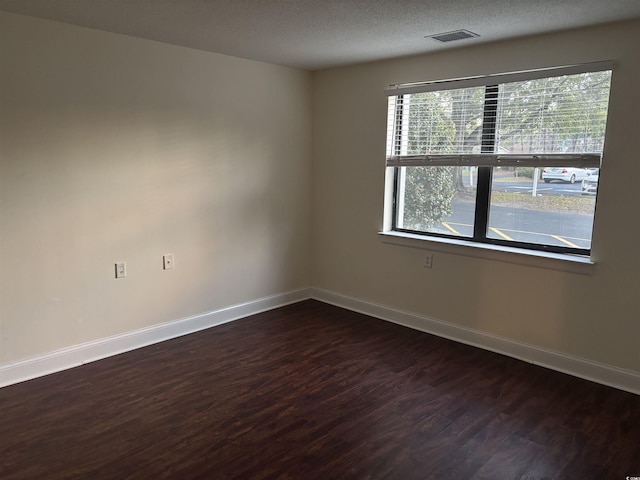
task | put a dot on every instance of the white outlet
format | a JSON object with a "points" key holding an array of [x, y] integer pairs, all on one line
{"points": [[167, 261], [428, 260], [121, 270]]}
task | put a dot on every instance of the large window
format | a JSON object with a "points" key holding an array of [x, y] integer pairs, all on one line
{"points": [[508, 159]]}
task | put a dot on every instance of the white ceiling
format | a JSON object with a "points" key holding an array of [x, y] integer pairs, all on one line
{"points": [[316, 34]]}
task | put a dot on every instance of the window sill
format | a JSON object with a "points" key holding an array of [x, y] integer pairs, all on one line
{"points": [[552, 261]]}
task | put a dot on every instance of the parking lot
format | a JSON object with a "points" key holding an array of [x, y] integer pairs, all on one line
{"points": [[523, 225], [556, 215]]}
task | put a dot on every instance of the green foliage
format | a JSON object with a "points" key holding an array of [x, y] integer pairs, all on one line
{"points": [[428, 194], [524, 172]]}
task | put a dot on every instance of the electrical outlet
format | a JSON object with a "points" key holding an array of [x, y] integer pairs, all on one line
{"points": [[167, 261], [121, 270], [428, 260]]}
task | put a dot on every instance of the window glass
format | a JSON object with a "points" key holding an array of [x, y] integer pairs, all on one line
{"points": [[437, 200], [556, 213], [469, 162], [553, 115], [441, 122]]}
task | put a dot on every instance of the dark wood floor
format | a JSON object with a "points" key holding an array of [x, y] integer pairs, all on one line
{"points": [[311, 391]]}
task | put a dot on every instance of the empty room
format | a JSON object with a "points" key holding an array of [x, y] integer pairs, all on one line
{"points": [[319, 240]]}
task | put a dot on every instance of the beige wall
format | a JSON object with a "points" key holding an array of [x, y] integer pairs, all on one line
{"points": [[596, 317], [114, 148]]}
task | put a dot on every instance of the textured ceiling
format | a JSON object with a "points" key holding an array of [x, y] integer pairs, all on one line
{"points": [[315, 34]]}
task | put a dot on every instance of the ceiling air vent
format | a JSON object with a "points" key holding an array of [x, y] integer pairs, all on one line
{"points": [[453, 36]]}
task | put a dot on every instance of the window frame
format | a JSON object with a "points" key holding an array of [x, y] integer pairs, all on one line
{"points": [[482, 204]]}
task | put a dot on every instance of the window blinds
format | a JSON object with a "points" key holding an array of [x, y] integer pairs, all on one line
{"points": [[553, 117]]}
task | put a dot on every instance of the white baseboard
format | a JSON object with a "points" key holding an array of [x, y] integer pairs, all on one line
{"points": [[91, 351], [579, 367], [105, 347]]}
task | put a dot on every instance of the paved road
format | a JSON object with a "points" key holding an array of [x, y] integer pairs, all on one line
{"points": [[524, 225]]}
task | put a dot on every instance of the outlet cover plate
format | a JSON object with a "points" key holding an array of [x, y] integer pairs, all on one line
{"points": [[121, 269]]}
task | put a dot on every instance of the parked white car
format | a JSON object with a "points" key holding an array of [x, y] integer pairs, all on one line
{"points": [[590, 184], [564, 174]]}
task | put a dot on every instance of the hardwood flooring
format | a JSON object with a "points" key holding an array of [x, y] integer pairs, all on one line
{"points": [[312, 391]]}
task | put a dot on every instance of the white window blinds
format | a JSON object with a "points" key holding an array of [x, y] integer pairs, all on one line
{"points": [[554, 117]]}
